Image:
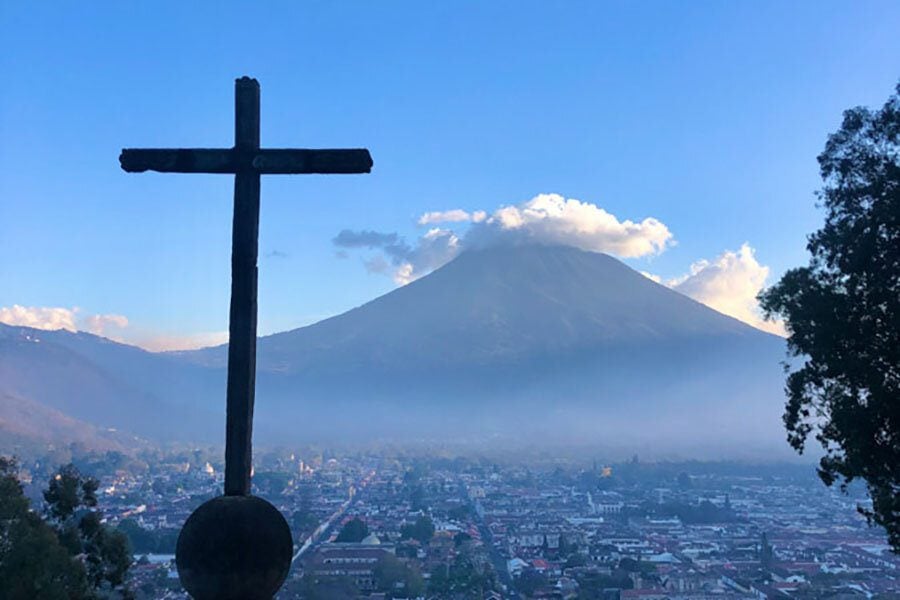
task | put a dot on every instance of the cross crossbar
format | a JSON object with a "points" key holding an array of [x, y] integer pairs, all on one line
{"points": [[266, 161], [247, 161]]}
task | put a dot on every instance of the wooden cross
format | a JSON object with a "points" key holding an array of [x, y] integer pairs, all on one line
{"points": [[247, 161]]}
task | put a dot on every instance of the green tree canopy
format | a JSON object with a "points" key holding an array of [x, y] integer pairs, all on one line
{"points": [[843, 315]]}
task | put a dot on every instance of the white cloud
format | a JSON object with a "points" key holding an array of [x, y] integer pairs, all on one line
{"points": [[101, 324], [553, 219], [545, 219], [456, 215], [729, 284], [53, 318], [111, 326], [446, 216], [39, 317], [163, 343], [404, 274], [652, 277], [432, 250]]}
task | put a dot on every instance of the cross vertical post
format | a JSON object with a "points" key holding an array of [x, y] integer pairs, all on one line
{"points": [[238, 546], [243, 311]]}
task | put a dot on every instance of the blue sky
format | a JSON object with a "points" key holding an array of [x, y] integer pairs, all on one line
{"points": [[706, 116]]}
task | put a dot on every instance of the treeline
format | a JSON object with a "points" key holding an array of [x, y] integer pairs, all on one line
{"points": [[704, 513], [63, 551], [148, 541]]}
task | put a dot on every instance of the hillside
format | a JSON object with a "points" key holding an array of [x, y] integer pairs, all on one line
{"points": [[506, 344]]}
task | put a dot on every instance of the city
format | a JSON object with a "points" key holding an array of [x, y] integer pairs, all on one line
{"points": [[402, 525], [490, 300]]}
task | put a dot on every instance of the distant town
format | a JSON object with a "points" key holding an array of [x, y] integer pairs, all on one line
{"points": [[389, 524]]}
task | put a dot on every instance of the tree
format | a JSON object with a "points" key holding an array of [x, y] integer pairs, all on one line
{"points": [[33, 563], [354, 531], [575, 559], [392, 575], [272, 483], [766, 552], [422, 530], [68, 491], [843, 315], [147, 541], [630, 565], [530, 581], [594, 586], [303, 522], [463, 578], [70, 500]]}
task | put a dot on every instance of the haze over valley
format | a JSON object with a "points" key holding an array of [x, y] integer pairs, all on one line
{"points": [[507, 345]]}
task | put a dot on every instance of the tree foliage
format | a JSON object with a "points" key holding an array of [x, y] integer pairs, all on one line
{"points": [[422, 530], [148, 541], [843, 315], [104, 552], [69, 491], [530, 581], [766, 552], [33, 563], [465, 577], [354, 531], [394, 578]]}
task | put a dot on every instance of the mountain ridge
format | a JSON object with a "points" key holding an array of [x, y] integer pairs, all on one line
{"points": [[547, 341], [498, 310]]}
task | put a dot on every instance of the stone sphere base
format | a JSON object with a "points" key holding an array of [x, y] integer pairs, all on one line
{"points": [[234, 548]]}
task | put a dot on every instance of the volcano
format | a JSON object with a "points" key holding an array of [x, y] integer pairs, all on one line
{"points": [[543, 344]]}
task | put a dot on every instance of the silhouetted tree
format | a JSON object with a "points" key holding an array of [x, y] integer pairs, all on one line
{"points": [[530, 581], [271, 482], [843, 315], [392, 577], [422, 530], [150, 541], [575, 559], [33, 563], [70, 500], [68, 491], [766, 553], [463, 578], [354, 531]]}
